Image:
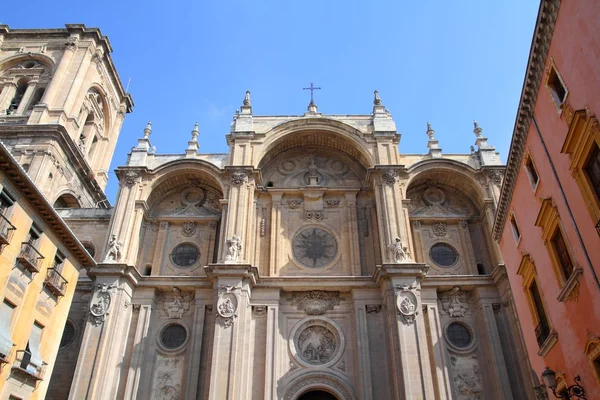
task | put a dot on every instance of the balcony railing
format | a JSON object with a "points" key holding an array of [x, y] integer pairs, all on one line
{"points": [[55, 282], [542, 331], [30, 258], [6, 230], [23, 365]]}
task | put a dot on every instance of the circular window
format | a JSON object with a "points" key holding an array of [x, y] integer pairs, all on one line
{"points": [[185, 255], [68, 335], [459, 335], [314, 247], [443, 254], [173, 336]]}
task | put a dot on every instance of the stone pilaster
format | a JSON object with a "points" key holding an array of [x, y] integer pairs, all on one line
{"points": [[203, 298], [431, 315], [353, 233], [229, 376], [144, 312], [365, 385], [59, 75], [26, 97], [100, 362], [400, 286], [239, 218]]}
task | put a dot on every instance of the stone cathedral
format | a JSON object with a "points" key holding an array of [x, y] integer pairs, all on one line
{"points": [[313, 260]]}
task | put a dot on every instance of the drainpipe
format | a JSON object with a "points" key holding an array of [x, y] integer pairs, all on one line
{"points": [[537, 129]]}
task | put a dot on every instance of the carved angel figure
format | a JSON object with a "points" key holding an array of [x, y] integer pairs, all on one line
{"points": [[114, 250], [234, 246], [399, 251]]}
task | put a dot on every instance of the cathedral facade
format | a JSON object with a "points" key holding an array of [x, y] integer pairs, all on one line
{"points": [[313, 260]]}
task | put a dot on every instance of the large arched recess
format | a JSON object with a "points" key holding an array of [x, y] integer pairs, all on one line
{"points": [[450, 173], [176, 174], [315, 132], [19, 58]]}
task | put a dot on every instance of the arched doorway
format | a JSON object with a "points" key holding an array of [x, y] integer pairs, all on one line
{"points": [[317, 395]]}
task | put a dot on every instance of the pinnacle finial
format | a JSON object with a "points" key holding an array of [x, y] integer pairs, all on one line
{"points": [[195, 132], [247, 101], [377, 99], [148, 130], [430, 132], [477, 129]]}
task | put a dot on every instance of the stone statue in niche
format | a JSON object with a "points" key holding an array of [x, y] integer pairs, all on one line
{"points": [[317, 345], [234, 247], [113, 254], [399, 251]]}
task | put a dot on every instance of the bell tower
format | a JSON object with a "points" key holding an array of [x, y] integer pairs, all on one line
{"points": [[62, 105]]}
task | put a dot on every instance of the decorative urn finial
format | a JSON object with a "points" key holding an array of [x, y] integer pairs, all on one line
{"points": [[148, 130]]}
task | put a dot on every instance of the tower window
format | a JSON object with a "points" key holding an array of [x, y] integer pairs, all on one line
{"points": [[16, 100]]}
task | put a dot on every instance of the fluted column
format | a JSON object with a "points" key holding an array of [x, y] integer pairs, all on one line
{"points": [[137, 356], [27, 97], [8, 92]]}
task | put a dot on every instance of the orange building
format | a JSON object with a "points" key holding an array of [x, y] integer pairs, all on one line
{"points": [[548, 218]]}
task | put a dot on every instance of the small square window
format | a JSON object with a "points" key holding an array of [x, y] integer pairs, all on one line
{"points": [[515, 228], [531, 173], [556, 87]]}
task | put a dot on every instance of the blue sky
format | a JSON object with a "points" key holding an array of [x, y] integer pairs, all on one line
{"points": [[447, 62]]}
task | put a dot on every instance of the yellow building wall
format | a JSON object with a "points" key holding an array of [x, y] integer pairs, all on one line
{"points": [[33, 305]]}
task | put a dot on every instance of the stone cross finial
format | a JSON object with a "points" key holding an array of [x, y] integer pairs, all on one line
{"points": [[195, 132], [430, 132], [477, 130], [148, 130], [377, 99]]}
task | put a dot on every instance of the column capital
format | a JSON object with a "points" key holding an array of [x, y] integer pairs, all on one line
{"points": [[240, 271]]}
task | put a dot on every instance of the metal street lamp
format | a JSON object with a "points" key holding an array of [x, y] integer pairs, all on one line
{"points": [[572, 391]]}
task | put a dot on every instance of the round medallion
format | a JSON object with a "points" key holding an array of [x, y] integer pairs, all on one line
{"points": [[443, 254], [316, 341], [193, 196], [434, 195], [314, 247]]}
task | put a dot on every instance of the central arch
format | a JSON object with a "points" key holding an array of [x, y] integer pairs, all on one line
{"points": [[318, 383]]}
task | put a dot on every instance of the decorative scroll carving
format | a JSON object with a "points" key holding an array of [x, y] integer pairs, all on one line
{"points": [[164, 225], [439, 228], [416, 224], [294, 203], [315, 302], [399, 251], [314, 215], [100, 303], [234, 247], [130, 178], [454, 302], [373, 309], [389, 175], [496, 176], [238, 177], [176, 302], [406, 302], [167, 378], [259, 311], [227, 305], [113, 253], [332, 203], [189, 228]]}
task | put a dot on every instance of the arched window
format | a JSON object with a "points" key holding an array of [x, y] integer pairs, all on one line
{"points": [[16, 100], [37, 96], [66, 201]]}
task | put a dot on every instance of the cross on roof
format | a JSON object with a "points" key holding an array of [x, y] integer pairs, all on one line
{"points": [[312, 88]]}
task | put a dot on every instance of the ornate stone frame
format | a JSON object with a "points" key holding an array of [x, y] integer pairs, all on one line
{"points": [[327, 266], [179, 349], [318, 380], [192, 266], [321, 321]]}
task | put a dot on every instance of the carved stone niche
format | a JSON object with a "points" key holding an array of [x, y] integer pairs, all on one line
{"points": [[315, 302]]}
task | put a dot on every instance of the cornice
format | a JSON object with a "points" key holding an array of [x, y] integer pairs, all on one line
{"points": [[540, 46]]}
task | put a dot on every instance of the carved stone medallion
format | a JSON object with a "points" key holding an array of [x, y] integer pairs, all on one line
{"points": [[189, 228], [227, 305], [100, 303], [314, 247], [407, 303], [316, 341], [439, 228]]}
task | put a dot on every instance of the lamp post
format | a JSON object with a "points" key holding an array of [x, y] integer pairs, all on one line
{"points": [[573, 391]]}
